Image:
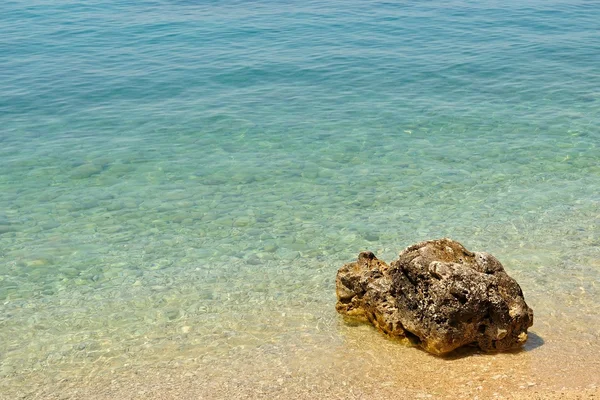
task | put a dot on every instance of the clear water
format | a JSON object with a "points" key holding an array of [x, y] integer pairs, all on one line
{"points": [[180, 180]]}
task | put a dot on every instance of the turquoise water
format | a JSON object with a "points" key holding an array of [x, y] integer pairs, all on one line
{"points": [[180, 180]]}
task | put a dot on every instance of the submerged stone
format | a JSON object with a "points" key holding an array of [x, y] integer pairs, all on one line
{"points": [[438, 295], [5, 228], [85, 171]]}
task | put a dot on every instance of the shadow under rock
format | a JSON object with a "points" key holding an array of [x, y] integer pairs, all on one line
{"points": [[533, 342]]}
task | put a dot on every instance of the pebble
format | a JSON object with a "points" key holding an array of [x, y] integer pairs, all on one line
{"points": [[242, 221], [6, 229], [253, 260], [115, 206], [270, 247], [50, 225], [6, 370], [39, 262], [371, 237], [121, 169], [81, 205], [69, 272], [172, 314], [85, 171]]}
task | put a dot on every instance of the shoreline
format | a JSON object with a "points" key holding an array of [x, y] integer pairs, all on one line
{"points": [[364, 365], [164, 385]]}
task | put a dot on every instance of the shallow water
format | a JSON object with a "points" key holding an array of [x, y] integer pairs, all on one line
{"points": [[180, 181]]}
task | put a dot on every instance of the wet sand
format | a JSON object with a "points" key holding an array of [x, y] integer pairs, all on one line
{"points": [[362, 365]]}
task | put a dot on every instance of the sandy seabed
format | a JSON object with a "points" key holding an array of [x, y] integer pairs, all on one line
{"points": [[363, 364], [313, 353]]}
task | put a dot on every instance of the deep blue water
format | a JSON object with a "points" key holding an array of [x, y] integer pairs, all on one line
{"points": [[193, 166]]}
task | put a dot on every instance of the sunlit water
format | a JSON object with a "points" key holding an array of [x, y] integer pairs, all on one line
{"points": [[180, 180]]}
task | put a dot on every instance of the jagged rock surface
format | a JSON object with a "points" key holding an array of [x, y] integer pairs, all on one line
{"points": [[438, 295]]}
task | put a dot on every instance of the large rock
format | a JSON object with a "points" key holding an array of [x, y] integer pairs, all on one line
{"points": [[438, 295]]}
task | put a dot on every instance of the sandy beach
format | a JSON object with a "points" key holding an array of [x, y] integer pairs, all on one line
{"points": [[362, 365]]}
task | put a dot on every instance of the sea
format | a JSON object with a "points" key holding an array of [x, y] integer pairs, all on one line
{"points": [[180, 181]]}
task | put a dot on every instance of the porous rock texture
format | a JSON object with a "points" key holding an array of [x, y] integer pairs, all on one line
{"points": [[438, 295]]}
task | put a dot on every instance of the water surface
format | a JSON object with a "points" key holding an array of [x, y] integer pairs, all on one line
{"points": [[180, 180]]}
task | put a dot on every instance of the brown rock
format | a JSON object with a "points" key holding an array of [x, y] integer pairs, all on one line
{"points": [[438, 295]]}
